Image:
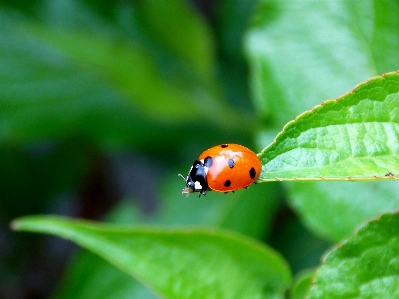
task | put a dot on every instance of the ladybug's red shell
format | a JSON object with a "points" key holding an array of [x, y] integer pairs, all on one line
{"points": [[223, 168], [234, 167]]}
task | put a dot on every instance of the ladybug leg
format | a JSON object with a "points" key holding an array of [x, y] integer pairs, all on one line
{"points": [[202, 192]]}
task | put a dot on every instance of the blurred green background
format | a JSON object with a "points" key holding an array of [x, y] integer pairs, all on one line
{"points": [[103, 103]]}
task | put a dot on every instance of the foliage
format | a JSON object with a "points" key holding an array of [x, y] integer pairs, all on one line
{"points": [[105, 101], [189, 263]]}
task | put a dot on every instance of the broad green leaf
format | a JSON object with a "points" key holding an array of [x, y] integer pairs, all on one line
{"points": [[334, 209], [246, 211], [189, 263], [303, 52], [90, 277], [86, 271], [364, 266], [352, 137]]}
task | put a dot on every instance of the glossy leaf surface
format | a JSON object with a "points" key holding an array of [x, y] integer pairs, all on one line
{"points": [[352, 137], [190, 263], [248, 212], [365, 266]]}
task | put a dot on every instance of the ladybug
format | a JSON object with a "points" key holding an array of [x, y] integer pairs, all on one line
{"points": [[223, 168]]}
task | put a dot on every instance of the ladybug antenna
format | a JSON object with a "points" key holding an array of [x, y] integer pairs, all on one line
{"points": [[181, 176]]}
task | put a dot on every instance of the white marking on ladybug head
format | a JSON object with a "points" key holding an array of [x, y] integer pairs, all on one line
{"points": [[197, 185]]}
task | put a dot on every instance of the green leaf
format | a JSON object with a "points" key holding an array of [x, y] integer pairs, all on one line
{"points": [[352, 137], [302, 53], [364, 266], [90, 277], [334, 209], [247, 212], [86, 271], [190, 263]]}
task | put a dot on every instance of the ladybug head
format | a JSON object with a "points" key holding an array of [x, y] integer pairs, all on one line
{"points": [[196, 179]]}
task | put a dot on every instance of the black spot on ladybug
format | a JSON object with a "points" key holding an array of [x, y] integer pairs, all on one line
{"points": [[252, 173], [230, 162], [208, 161], [224, 145], [227, 183]]}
